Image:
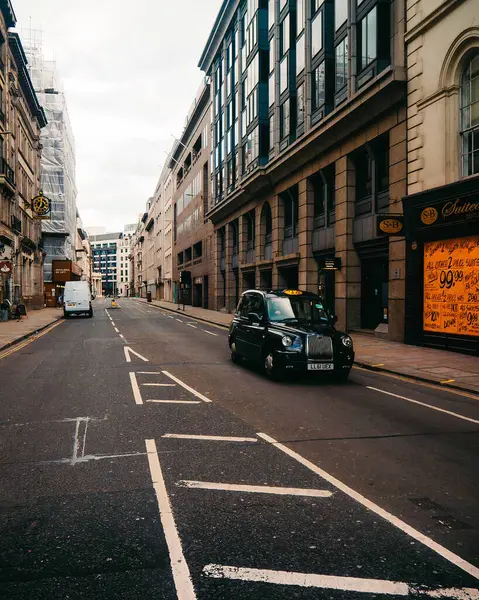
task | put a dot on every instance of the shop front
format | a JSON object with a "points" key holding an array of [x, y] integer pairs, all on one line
{"points": [[442, 267], [62, 271]]}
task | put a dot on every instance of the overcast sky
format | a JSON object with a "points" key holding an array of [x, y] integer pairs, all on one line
{"points": [[130, 76]]}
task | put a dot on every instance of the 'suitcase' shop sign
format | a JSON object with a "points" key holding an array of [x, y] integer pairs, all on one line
{"points": [[446, 212]]}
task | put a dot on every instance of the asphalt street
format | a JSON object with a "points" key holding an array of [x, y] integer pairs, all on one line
{"points": [[137, 461]]}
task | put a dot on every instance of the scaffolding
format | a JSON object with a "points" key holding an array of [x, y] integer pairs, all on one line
{"points": [[58, 154]]}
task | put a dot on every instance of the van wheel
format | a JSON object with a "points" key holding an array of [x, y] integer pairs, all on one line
{"points": [[271, 366], [90, 313], [66, 315]]}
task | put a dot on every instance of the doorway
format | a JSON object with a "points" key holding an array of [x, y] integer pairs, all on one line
{"points": [[326, 289], [374, 292]]}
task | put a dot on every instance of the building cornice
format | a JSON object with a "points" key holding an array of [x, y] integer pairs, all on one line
{"points": [[436, 15], [24, 80], [8, 13], [220, 27]]}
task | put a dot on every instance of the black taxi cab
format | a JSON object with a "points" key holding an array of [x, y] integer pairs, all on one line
{"points": [[289, 330]]}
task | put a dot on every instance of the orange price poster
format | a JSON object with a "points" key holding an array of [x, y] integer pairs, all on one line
{"points": [[451, 286]]}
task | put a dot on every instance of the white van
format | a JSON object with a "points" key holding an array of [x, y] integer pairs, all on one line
{"points": [[77, 299]]}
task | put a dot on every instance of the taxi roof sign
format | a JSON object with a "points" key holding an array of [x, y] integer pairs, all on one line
{"points": [[293, 292]]}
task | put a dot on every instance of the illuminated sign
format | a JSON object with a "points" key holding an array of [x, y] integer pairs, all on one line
{"points": [[451, 286], [293, 292], [429, 215], [329, 263], [5, 267]]}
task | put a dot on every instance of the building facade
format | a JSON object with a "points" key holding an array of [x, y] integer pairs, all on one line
{"points": [[58, 168], [442, 206], [21, 121], [192, 232], [308, 148], [105, 260], [123, 263]]}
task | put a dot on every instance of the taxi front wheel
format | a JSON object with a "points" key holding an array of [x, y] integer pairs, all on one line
{"points": [[235, 357]]}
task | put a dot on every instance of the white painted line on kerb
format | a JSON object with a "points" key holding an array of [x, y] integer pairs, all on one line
{"points": [[122, 336], [179, 566], [175, 401], [432, 407], [179, 320], [211, 438], [210, 332], [169, 317], [117, 330], [254, 489], [331, 582], [129, 351], [113, 324], [193, 326], [187, 387], [159, 384], [136, 389], [407, 529]]}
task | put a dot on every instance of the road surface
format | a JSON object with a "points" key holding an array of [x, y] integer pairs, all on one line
{"points": [[136, 461]]}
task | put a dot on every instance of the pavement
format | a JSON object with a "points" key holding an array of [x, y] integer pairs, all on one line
{"points": [[15, 331], [137, 461], [450, 369]]}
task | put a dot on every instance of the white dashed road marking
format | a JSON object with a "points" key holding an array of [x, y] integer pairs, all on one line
{"points": [[447, 412], [331, 582], [187, 387], [210, 332], [129, 351], [384, 514], [179, 566], [211, 438], [136, 389], [254, 489], [175, 401]]}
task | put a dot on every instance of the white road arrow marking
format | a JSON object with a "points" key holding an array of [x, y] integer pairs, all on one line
{"points": [[129, 351]]}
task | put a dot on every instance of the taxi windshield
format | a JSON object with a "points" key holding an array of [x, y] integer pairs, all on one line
{"points": [[297, 309]]}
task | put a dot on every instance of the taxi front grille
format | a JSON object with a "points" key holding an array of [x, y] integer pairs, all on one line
{"points": [[319, 347]]}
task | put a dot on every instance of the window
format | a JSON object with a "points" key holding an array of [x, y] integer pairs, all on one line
{"points": [[318, 86], [470, 117], [341, 64], [284, 36], [368, 35], [300, 106], [299, 16], [271, 90], [284, 119], [364, 167], [316, 34], [283, 75], [340, 13], [271, 4], [300, 54]]}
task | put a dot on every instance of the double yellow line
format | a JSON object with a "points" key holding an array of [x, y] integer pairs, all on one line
{"points": [[31, 339]]}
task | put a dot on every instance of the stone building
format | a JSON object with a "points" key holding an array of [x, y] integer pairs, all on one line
{"points": [[308, 148], [193, 243], [21, 120], [442, 207]]}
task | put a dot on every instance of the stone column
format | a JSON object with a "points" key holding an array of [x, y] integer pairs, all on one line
{"points": [[258, 241], [230, 275], [277, 214], [348, 279], [397, 245], [308, 269]]}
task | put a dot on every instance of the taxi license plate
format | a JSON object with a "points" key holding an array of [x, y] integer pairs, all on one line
{"points": [[320, 367]]}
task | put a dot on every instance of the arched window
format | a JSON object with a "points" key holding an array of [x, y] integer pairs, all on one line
{"points": [[470, 116]]}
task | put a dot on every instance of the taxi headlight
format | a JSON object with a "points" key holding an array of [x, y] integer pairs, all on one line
{"points": [[347, 341], [293, 343]]}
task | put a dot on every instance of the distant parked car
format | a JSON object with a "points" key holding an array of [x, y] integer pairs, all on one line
{"points": [[289, 330]]}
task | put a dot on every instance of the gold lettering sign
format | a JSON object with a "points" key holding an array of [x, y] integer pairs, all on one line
{"points": [[429, 215], [459, 207], [390, 226], [451, 286]]}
